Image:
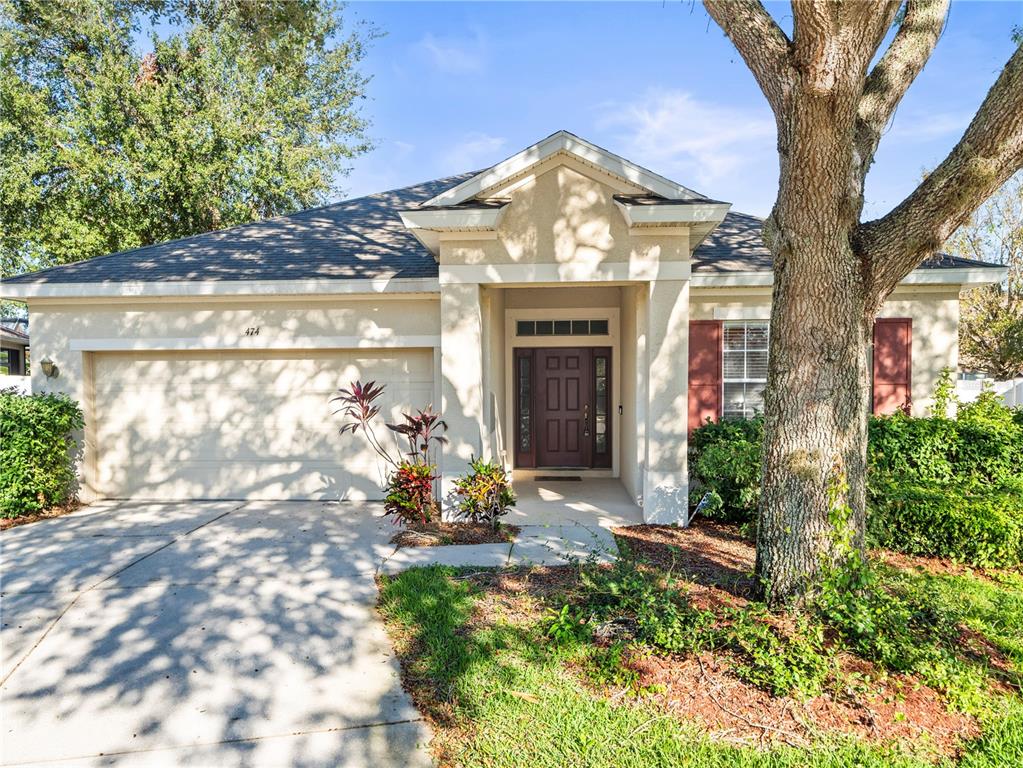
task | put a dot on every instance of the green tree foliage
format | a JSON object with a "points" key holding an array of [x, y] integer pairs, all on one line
{"points": [[129, 122], [991, 325]]}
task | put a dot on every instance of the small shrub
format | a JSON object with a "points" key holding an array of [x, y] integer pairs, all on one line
{"points": [[37, 451], [659, 615], [782, 664], [566, 626], [724, 458], [410, 493], [484, 496], [608, 666]]}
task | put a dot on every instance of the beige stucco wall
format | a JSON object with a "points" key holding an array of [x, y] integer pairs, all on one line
{"points": [[632, 419], [934, 311], [564, 297], [499, 442], [305, 328], [564, 213]]}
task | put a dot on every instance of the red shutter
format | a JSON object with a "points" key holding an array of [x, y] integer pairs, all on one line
{"points": [[704, 372], [893, 363]]}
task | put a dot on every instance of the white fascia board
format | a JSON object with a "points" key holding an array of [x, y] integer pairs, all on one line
{"points": [[562, 141], [240, 342], [663, 215], [140, 289], [732, 279], [445, 220], [560, 274], [958, 276], [964, 276]]}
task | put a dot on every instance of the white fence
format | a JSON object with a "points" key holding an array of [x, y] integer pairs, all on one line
{"points": [[1010, 391], [21, 383]]}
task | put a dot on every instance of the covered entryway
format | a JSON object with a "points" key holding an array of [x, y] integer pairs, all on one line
{"points": [[253, 424]]}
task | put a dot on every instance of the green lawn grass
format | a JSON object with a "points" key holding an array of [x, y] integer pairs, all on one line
{"points": [[501, 695]]}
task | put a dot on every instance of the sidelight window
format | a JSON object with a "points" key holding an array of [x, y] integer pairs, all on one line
{"points": [[525, 400], [602, 371]]}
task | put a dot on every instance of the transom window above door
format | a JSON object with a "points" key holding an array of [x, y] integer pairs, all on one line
{"points": [[561, 328], [743, 368]]}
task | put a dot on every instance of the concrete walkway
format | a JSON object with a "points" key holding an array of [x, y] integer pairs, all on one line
{"points": [[204, 634], [535, 545], [559, 521]]}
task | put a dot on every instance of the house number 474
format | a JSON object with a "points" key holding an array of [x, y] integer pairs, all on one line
{"points": [[252, 331]]}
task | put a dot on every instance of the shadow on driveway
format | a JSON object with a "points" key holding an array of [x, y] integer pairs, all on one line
{"points": [[210, 633]]}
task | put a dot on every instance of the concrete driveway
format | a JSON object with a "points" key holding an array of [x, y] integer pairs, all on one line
{"points": [[201, 633]]}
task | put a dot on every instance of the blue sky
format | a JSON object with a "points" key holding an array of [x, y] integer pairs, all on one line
{"points": [[460, 86]]}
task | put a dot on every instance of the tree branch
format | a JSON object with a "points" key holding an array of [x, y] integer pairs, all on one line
{"points": [[986, 156], [833, 43], [760, 41], [898, 68]]}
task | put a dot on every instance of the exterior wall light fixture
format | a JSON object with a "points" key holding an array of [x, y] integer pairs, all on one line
{"points": [[50, 369]]}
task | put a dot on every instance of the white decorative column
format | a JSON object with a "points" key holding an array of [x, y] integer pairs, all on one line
{"points": [[461, 374], [666, 481]]}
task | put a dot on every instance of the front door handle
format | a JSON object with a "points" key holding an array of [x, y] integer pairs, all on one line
{"points": [[586, 420]]}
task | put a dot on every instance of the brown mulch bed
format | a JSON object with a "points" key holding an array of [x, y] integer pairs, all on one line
{"points": [[712, 555], [14, 522], [936, 566], [718, 562], [702, 689], [447, 533], [895, 708]]}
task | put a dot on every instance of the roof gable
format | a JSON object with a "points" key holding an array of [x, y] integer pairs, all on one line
{"points": [[569, 144]]}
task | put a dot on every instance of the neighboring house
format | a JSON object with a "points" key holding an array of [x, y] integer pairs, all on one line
{"points": [[13, 347], [567, 309]]}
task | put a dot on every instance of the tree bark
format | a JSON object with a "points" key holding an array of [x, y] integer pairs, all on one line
{"points": [[815, 405], [832, 274]]}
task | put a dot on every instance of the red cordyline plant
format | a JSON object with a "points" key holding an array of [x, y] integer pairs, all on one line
{"points": [[359, 408], [410, 479]]}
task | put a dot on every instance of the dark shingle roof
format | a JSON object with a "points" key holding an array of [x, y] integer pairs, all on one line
{"points": [[360, 238], [737, 246]]}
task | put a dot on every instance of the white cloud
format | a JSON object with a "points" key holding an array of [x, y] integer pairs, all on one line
{"points": [[455, 55], [473, 151], [699, 143]]}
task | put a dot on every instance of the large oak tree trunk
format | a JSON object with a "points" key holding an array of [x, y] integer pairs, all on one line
{"points": [[832, 273], [817, 390]]}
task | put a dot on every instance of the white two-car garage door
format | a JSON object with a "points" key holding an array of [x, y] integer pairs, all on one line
{"points": [[243, 425]]}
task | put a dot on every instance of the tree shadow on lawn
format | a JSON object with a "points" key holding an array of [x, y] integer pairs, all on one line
{"points": [[709, 554]]}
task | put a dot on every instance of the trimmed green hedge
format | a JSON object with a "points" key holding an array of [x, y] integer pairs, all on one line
{"points": [[937, 486], [980, 525], [37, 451]]}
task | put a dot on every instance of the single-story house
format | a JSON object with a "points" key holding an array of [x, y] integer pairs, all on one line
{"points": [[568, 310], [14, 345]]}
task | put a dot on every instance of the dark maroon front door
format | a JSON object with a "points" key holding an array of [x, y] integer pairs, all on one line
{"points": [[563, 407]]}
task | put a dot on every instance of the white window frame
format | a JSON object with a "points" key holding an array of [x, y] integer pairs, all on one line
{"points": [[725, 380]]}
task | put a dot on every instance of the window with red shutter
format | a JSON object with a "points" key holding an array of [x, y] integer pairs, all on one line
{"points": [[704, 372], [892, 365]]}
